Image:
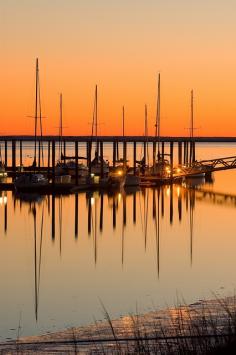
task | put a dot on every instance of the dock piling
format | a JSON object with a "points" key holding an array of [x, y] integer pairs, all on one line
{"points": [[163, 150], [101, 153], [76, 162], [134, 158], [5, 153], [154, 153], [49, 149], [13, 155], [21, 162], [171, 158], [180, 153], [53, 161], [114, 154], [125, 155]]}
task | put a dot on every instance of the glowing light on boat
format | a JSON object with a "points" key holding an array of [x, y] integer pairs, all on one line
{"points": [[178, 191], [3, 200]]}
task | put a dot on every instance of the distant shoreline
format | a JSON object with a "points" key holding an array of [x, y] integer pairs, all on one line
{"points": [[121, 138]]}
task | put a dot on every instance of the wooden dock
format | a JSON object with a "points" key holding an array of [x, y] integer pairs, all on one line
{"points": [[14, 147]]}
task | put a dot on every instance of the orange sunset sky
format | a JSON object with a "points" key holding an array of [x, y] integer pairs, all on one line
{"points": [[120, 46]]}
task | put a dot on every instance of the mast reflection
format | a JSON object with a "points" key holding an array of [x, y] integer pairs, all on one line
{"points": [[144, 214], [121, 210], [37, 257]]}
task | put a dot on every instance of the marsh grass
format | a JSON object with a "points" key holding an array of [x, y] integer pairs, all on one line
{"points": [[190, 330]]}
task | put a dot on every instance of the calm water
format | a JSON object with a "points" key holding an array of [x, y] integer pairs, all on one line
{"points": [[61, 256]]}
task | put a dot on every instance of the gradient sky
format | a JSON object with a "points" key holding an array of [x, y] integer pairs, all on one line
{"points": [[121, 46]]}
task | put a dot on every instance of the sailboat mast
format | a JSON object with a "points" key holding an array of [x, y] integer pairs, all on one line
{"points": [[146, 132], [159, 112], [123, 121], [146, 126], [192, 116], [40, 123], [60, 129], [96, 111], [36, 111], [96, 118]]}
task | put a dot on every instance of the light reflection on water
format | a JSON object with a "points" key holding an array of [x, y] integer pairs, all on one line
{"points": [[61, 255]]}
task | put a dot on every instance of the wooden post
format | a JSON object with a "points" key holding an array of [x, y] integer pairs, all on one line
{"points": [[49, 148], [13, 155], [39, 154], [184, 152], [154, 153], [125, 155], [134, 158], [21, 163], [194, 152], [163, 150], [117, 151], [171, 158], [187, 153], [89, 147], [5, 153], [76, 162], [145, 152], [114, 154], [180, 153], [53, 161], [64, 152], [101, 156], [190, 152]]}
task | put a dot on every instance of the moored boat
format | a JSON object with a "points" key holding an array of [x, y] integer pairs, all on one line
{"points": [[3, 172], [31, 182]]}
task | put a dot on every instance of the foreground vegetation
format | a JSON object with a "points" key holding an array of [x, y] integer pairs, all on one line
{"points": [[206, 327]]}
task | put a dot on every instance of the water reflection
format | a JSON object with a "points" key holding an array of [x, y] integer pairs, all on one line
{"points": [[108, 225], [37, 256], [161, 199]]}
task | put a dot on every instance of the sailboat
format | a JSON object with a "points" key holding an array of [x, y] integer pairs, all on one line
{"points": [[61, 174], [161, 166], [31, 182], [65, 169], [98, 164], [122, 171], [197, 170]]}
